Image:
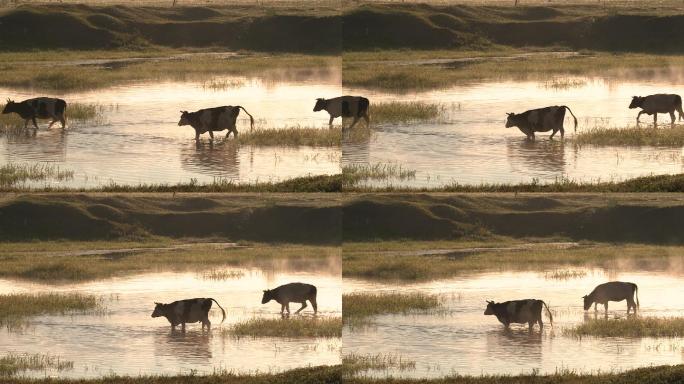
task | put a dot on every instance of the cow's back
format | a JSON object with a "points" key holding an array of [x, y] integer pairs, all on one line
{"points": [[296, 292]]}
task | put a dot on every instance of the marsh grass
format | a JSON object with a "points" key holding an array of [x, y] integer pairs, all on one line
{"points": [[221, 85], [219, 275], [354, 362], [16, 308], [399, 112], [563, 83], [45, 267], [13, 363], [355, 173], [564, 274], [378, 266], [292, 136], [634, 326], [644, 134], [358, 307], [12, 174], [295, 326]]}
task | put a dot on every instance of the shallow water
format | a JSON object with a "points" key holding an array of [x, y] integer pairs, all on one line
{"points": [[462, 340], [473, 146], [127, 341], [140, 141]]}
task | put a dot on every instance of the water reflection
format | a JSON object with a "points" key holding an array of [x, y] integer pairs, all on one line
{"points": [[219, 159]]}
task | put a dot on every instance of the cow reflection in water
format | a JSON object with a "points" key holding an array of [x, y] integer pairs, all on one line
{"points": [[212, 159], [525, 156], [190, 344]]}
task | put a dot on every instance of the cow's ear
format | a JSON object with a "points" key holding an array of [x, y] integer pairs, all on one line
{"points": [[155, 303], [265, 290], [584, 297]]}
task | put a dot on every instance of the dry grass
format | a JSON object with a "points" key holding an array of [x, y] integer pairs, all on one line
{"points": [[399, 112], [634, 326], [13, 363], [16, 308], [296, 326], [292, 136], [354, 362], [358, 307], [636, 136], [12, 174]]}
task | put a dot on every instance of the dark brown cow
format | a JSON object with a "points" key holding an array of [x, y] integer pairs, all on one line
{"points": [[519, 311], [214, 119], [658, 103], [187, 311], [540, 120], [345, 106], [612, 291], [40, 107], [293, 292]]}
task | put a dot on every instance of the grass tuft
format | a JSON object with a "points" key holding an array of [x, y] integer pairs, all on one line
{"points": [[355, 173], [287, 327], [630, 327], [12, 174], [354, 362], [16, 307], [218, 275], [292, 136], [13, 363], [644, 135], [357, 307], [397, 112]]}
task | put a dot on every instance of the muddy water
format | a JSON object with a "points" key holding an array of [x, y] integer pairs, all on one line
{"points": [[139, 140], [127, 341], [473, 146], [464, 341]]}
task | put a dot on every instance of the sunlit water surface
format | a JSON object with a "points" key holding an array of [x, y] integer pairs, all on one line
{"points": [[127, 341], [462, 340], [473, 146], [139, 140]]}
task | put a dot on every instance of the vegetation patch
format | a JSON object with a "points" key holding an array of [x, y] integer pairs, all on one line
{"points": [[399, 112], [635, 326], [358, 307], [292, 136], [12, 174], [564, 274], [296, 326], [13, 363], [636, 136], [16, 308], [354, 362], [354, 174], [220, 275]]}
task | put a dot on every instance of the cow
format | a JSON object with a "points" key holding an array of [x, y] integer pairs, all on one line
{"points": [[187, 311], [540, 120], [293, 292], [39, 107], [659, 103], [345, 106], [519, 311], [214, 119], [612, 291]]}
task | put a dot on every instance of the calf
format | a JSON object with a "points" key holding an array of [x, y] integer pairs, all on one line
{"points": [[612, 291], [345, 106], [540, 120], [659, 103], [187, 311], [214, 119], [519, 311], [293, 292], [40, 107]]}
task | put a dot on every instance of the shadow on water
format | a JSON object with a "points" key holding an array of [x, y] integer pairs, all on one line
{"points": [[31, 145]]}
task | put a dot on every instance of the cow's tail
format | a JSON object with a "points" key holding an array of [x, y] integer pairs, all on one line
{"points": [[573, 116], [548, 312], [678, 105], [219, 305], [251, 121], [636, 294]]}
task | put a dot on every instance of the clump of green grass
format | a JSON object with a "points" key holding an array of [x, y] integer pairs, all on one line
{"points": [[635, 326], [357, 307], [288, 327], [13, 363], [632, 136], [354, 362], [13, 173], [218, 274], [17, 307], [396, 112], [564, 274], [292, 136], [355, 173]]}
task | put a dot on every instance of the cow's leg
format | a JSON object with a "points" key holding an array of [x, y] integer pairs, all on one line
{"points": [[211, 135], [26, 123], [365, 117], [282, 308], [303, 306], [541, 322], [35, 124], [287, 306], [51, 123], [62, 120], [356, 119], [530, 325], [183, 327], [331, 121], [553, 133], [605, 306], [655, 120], [672, 116], [197, 136], [314, 305], [596, 307], [639, 114], [562, 132], [207, 323]]}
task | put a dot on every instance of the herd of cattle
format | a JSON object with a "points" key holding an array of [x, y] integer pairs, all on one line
{"points": [[530, 310], [224, 118], [196, 310], [204, 120]]}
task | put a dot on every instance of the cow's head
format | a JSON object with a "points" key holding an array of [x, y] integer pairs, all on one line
{"points": [[636, 102], [511, 120], [490, 308], [268, 296], [158, 310], [9, 107], [184, 119], [320, 104], [587, 302]]}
